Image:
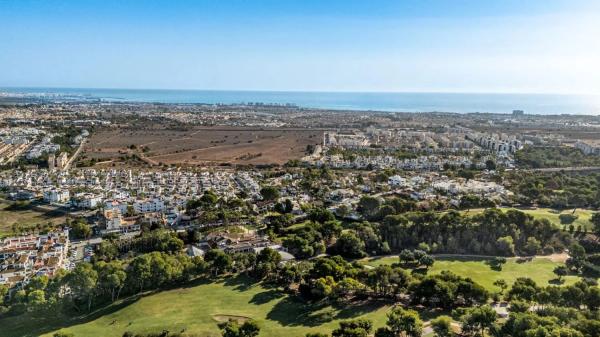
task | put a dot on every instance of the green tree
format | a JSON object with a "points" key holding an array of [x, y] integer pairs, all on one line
{"points": [[269, 193], [218, 260], [442, 326], [83, 281], [354, 328], [500, 283], [405, 322], [111, 277], [490, 164], [368, 206], [36, 300], [505, 246], [139, 271], [209, 198], [80, 230], [532, 246], [232, 328], [350, 245], [595, 219], [478, 319], [561, 271]]}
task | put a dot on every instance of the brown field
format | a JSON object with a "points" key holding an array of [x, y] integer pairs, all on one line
{"points": [[27, 216], [206, 145]]}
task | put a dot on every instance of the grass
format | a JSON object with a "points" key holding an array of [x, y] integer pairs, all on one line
{"points": [[552, 215], [26, 216], [199, 308], [539, 269]]}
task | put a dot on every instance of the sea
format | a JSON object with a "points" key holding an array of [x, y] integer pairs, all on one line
{"points": [[541, 104]]}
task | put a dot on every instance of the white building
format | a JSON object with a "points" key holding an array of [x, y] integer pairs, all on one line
{"points": [[88, 201], [56, 195], [116, 204], [397, 181], [587, 148], [149, 205]]}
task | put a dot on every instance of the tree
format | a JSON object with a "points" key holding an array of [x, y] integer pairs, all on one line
{"points": [[490, 164], [218, 260], [478, 319], [524, 289], [505, 246], [442, 326], [426, 261], [500, 283], [320, 215], [404, 321], [407, 256], [83, 281], [80, 230], [266, 262], [354, 328], [561, 271], [3, 292], [111, 277], [595, 219], [466, 174], [232, 328], [139, 271], [368, 206], [269, 193], [36, 300], [209, 198], [592, 298], [331, 229], [532, 246], [349, 245], [577, 257]]}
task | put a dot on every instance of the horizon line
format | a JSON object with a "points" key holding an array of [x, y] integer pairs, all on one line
{"points": [[310, 91]]}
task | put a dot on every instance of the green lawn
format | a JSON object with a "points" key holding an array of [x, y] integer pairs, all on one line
{"points": [[552, 215], [26, 216], [538, 269], [198, 310]]}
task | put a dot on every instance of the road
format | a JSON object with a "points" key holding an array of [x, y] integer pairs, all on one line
{"points": [[74, 156], [559, 169]]}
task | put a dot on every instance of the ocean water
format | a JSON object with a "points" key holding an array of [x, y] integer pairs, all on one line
{"points": [[379, 101]]}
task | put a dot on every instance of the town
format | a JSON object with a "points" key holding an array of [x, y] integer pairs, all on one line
{"points": [[266, 190]]}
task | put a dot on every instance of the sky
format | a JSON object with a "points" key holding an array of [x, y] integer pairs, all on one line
{"points": [[515, 46]]}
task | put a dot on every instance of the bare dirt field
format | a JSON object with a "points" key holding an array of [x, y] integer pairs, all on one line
{"points": [[205, 145]]}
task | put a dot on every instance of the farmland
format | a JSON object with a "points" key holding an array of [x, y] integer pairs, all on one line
{"points": [[205, 145]]}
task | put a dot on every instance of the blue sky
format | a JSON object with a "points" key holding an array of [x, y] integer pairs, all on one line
{"points": [[547, 46]]}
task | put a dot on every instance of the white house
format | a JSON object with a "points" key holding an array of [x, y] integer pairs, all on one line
{"points": [[116, 204], [397, 181], [56, 195], [87, 201], [149, 205]]}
